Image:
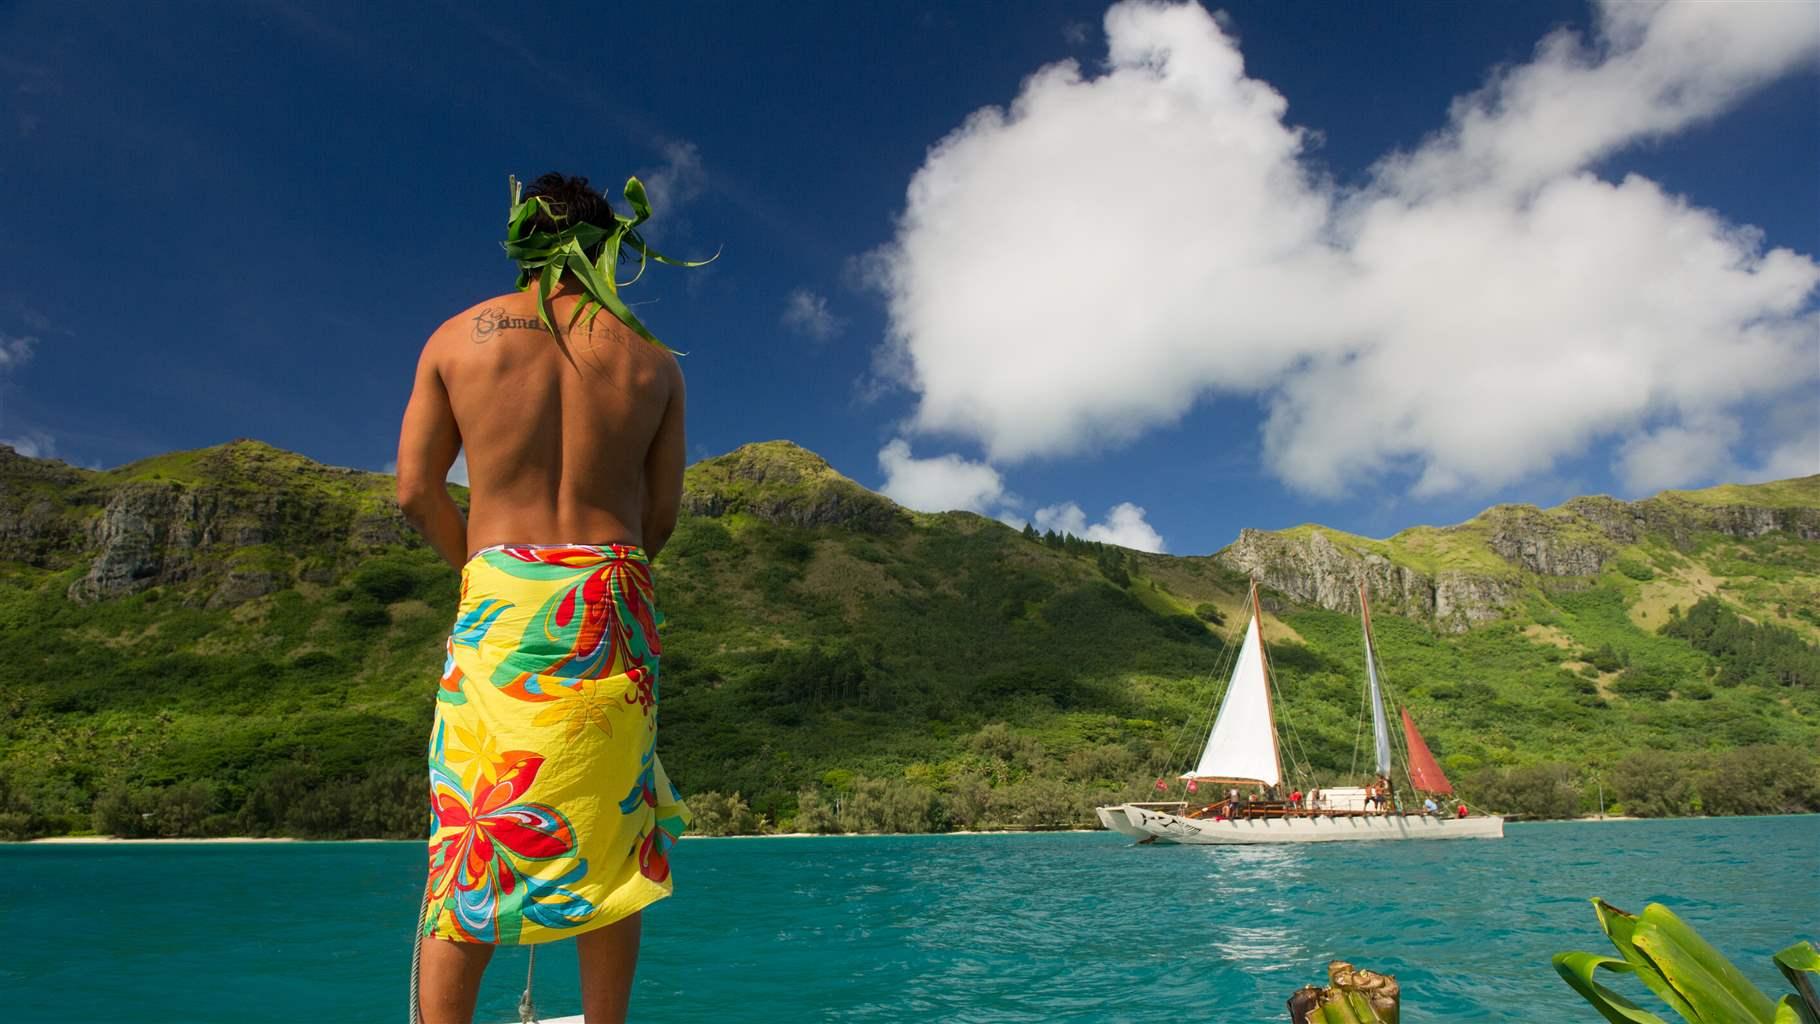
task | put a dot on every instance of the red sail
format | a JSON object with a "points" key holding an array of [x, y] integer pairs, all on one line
{"points": [[1424, 773]]}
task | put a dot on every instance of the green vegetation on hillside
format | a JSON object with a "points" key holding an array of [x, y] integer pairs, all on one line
{"points": [[1745, 652], [1800, 492], [835, 663]]}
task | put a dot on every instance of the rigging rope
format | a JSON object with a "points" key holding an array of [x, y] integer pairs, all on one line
{"points": [[417, 956], [1396, 735], [1187, 731], [527, 1009], [1223, 668], [1305, 769], [1169, 757], [1302, 766], [1403, 744]]}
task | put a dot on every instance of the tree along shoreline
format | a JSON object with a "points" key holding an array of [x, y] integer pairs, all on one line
{"points": [[85, 840], [1020, 795]]}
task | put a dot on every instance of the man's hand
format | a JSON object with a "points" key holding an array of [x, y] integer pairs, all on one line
{"points": [[428, 443]]}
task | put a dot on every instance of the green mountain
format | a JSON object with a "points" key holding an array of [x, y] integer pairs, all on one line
{"points": [[238, 640]]}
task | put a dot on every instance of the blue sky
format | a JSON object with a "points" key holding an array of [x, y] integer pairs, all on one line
{"points": [[242, 220]]}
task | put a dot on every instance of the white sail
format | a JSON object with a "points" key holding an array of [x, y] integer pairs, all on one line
{"points": [[1243, 743], [1380, 732]]}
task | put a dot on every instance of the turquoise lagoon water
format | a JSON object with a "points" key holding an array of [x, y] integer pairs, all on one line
{"points": [[1006, 928]]}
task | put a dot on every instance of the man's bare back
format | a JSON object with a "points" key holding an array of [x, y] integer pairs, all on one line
{"points": [[572, 438]]}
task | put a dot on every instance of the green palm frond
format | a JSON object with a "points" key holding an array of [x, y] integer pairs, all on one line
{"points": [[1686, 973]]}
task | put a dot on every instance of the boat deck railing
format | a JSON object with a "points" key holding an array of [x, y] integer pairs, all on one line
{"points": [[1283, 809]]}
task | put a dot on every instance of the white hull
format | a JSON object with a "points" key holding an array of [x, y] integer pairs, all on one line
{"points": [[1319, 828], [1113, 818]]}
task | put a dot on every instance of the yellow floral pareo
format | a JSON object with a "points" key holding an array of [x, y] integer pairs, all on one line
{"points": [[551, 814]]}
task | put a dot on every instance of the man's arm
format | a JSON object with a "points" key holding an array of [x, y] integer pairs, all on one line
{"points": [[664, 471], [427, 445]]}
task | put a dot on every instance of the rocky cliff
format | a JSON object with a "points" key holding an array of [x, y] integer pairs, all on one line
{"points": [[38, 526], [1324, 569], [220, 525], [1458, 576]]}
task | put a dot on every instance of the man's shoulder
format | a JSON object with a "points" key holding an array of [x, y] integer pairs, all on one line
{"points": [[667, 358], [656, 355]]}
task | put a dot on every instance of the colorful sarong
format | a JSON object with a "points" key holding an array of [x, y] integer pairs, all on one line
{"points": [[550, 814]]}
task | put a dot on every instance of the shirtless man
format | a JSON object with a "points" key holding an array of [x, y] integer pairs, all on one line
{"points": [[572, 437]]}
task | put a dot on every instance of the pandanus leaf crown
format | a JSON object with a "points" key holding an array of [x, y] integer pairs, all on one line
{"points": [[543, 256]]}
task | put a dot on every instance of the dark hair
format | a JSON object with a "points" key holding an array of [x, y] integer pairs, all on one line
{"points": [[572, 201]]}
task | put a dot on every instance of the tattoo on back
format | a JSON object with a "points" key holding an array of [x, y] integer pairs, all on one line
{"points": [[494, 319]]}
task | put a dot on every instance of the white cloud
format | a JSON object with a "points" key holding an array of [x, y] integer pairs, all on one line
{"points": [[1064, 518], [1793, 443], [1701, 451], [1678, 454], [16, 351], [950, 482], [33, 444], [808, 314], [1797, 457], [675, 181], [1653, 70], [1483, 307], [1012, 519], [1124, 525], [939, 484]]}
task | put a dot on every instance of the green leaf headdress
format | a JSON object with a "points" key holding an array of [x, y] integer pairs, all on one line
{"points": [[544, 256]]}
